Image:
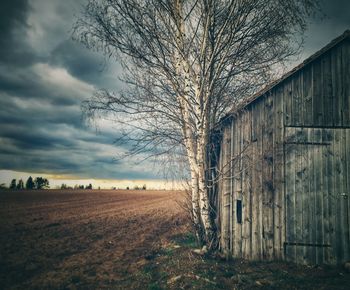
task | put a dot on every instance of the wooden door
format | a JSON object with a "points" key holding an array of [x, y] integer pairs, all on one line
{"points": [[317, 173]]}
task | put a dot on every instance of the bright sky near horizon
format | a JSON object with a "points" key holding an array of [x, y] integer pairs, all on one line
{"points": [[57, 180], [44, 77]]}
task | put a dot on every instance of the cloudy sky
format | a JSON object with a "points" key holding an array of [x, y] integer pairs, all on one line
{"points": [[44, 77]]}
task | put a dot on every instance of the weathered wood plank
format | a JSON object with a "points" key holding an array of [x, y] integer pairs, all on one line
{"points": [[302, 186], [234, 181], [318, 180], [235, 186], [290, 193], [283, 190], [220, 191], [228, 190], [226, 193], [344, 198], [312, 198], [331, 197], [338, 179], [255, 186], [296, 99], [317, 93], [308, 96], [287, 92], [278, 174], [232, 164], [246, 218], [337, 100], [297, 194], [303, 177], [346, 82], [259, 198], [289, 176], [220, 188], [238, 188], [249, 180], [307, 175], [268, 186], [347, 162], [327, 90], [326, 138]]}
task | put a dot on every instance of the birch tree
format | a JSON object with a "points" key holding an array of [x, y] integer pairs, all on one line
{"points": [[186, 63]]}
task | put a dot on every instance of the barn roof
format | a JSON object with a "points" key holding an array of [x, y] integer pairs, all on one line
{"points": [[299, 67]]}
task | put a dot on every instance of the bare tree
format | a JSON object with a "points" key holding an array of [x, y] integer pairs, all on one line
{"points": [[186, 64]]}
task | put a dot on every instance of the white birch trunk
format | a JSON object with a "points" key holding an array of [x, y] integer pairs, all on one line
{"points": [[182, 70], [195, 143], [204, 202]]}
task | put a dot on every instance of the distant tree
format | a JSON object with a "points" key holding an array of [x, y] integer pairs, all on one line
{"points": [[89, 186], [2, 186], [41, 183], [81, 186], [20, 184], [144, 187], [13, 184], [30, 183], [136, 187], [63, 186], [127, 188]]}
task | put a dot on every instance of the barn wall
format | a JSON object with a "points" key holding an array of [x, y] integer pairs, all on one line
{"points": [[316, 137], [318, 94], [286, 159], [252, 171]]}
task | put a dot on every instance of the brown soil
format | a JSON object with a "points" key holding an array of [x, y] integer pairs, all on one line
{"points": [[125, 240], [82, 239]]}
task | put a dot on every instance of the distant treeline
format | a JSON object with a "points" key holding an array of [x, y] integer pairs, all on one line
{"points": [[43, 183], [37, 183], [136, 187], [65, 186]]}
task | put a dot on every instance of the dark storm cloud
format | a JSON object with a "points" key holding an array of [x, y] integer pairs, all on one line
{"points": [[78, 61], [12, 13], [337, 12], [37, 115], [13, 23], [44, 77], [86, 65], [23, 82], [36, 139]]}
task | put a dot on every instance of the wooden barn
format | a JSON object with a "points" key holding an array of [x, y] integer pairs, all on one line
{"points": [[282, 169]]}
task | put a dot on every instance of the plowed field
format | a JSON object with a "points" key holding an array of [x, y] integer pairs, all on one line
{"points": [[82, 239]]}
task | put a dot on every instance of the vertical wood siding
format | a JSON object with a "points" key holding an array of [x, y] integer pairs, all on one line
{"points": [[286, 157]]}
